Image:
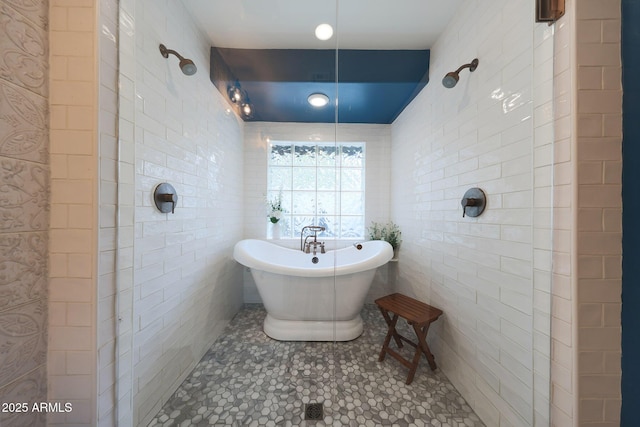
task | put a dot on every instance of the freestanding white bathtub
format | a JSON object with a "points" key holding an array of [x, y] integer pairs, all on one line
{"points": [[307, 301]]}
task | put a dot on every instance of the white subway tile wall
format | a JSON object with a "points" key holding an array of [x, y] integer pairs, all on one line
{"points": [[490, 275], [179, 283], [563, 364], [598, 209], [74, 231], [107, 303], [119, 402]]}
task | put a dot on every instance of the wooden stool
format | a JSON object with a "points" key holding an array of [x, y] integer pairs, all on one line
{"points": [[417, 314]]}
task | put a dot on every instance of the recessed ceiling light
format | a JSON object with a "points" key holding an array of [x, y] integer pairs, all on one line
{"points": [[318, 99], [324, 31]]}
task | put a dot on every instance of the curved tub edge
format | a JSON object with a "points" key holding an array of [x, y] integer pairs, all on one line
{"points": [[248, 258], [305, 330]]}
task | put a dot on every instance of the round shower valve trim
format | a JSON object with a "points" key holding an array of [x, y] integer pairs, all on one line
{"points": [[473, 202], [165, 197]]}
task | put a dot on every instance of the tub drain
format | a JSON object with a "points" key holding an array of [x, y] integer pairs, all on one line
{"points": [[313, 411]]}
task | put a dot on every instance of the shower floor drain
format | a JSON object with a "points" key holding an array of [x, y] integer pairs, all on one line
{"points": [[313, 411]]}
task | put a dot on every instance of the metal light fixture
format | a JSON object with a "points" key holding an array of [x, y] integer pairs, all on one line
{"points": [[235, 93], [246, 110], [186, 65], [240, 99]]}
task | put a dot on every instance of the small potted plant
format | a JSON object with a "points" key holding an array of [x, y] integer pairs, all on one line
{"points": [[275, 210], [389, 232]]}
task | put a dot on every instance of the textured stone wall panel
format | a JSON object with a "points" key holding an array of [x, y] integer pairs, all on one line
{"points": [[22, 269], [30, 389], [23, 124], [24, 206], [22, 334], [23, 61], [23, 196], [35, 11]]}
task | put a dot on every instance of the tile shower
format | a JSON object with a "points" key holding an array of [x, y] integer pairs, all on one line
{"points": [[562, 359], [470, 146]]}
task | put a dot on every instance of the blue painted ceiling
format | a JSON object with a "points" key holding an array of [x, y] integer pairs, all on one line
{"points": [[373, 86]]}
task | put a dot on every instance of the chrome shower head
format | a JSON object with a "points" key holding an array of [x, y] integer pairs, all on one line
{"points": [[186, 65], [451, 78]]}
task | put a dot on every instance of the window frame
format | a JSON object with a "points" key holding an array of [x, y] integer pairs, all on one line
{"points": [[293, 218]]}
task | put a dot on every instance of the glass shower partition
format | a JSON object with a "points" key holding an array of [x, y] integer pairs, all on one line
{"points": [[253, 159], [291, 199]]}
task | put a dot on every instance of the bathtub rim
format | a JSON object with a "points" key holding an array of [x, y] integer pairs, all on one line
{"points": [[243, 256]]}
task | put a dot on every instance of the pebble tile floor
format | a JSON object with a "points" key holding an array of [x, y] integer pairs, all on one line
{"points": [[249, 379]]}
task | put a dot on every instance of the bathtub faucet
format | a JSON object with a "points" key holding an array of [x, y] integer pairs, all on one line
{"points": [[314, 245], [305, 246]]}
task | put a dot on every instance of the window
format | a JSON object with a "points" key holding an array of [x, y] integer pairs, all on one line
{"points": [[321, 184]]}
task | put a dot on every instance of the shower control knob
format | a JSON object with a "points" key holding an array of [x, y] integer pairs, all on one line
{"points": [[165, 197], [473, 202], [168, 197]]}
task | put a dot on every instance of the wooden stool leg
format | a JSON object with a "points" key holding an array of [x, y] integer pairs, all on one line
{"points": [[422, 345], [387, 319], [414, 365], [390, 332]]}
